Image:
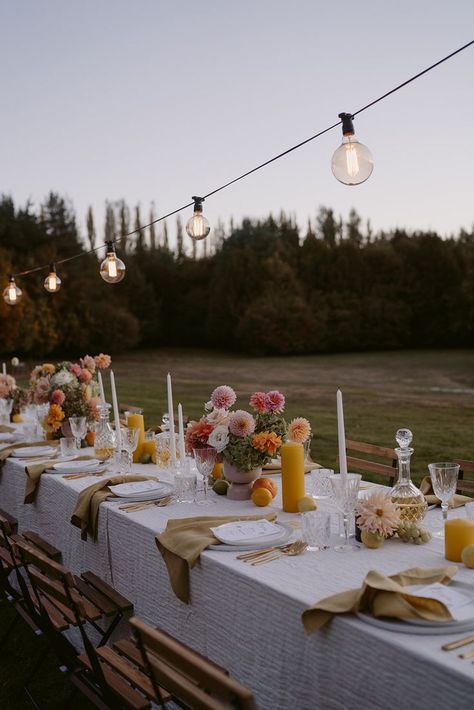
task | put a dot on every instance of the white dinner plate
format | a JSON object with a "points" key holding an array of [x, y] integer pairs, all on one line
{"points": [[287, 530], [97, 469], [129, 492], [6, 436], [462, 614], [403, 628], [73, 466], [34, 452], [223, 533]]}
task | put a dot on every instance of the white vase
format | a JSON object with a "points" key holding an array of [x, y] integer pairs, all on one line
{"points": [[240, 481]]}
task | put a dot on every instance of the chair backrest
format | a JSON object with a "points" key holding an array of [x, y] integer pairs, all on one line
{"points": [[191, 679], [364, 465], [466, 486]]}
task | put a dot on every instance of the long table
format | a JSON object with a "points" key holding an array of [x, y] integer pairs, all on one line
{"points": [[248, 619]]}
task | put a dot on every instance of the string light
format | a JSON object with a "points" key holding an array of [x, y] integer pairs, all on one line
{"points": [[352, 162], [12, 294], [198, 227], [356, 163], [52, 282], [112, 268]]}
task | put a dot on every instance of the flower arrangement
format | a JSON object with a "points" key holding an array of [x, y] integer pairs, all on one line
{"points": [[245, 440], [7, 386], [70, 389], [378, 518]]}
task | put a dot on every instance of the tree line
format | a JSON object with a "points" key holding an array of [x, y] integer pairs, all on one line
{"points": [[261, 287]]}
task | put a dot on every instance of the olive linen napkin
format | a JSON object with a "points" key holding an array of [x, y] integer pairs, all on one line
{"points": [[385, 596], [86, 512], [456, 501], [34, 472], [7, 450], [183, 541]]}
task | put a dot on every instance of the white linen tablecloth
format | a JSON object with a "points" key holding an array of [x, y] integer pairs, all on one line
{"points": [[248, 619]]}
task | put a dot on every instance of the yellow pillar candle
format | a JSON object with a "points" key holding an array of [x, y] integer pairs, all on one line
{"points": [[458, 534], [292, 475], [136, 421]]}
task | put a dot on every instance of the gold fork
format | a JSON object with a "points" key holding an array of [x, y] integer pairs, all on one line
{"points": [[134, 507], [296, 548]]}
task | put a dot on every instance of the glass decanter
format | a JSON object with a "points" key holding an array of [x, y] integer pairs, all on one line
{"points": [[408, 498], [105, 442]]}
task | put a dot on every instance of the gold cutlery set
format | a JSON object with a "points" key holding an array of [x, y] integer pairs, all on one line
{"points": [[141, 505], [453, 645], [261, 557]]}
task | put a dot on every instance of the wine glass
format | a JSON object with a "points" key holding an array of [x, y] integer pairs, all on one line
{"points": [[205, 459], [345, 490], [444, 478], [129, 444], [78, 429], [6, 406]]}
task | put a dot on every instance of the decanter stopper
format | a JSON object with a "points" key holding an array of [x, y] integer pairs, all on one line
{"points": [[404, 438]]}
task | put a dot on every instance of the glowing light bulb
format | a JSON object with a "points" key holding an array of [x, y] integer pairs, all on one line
{"points": [[52, 282], [112, 268], [352, 162], [198, 227], [12, 294]]}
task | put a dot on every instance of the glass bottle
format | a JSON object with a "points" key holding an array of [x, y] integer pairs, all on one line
{"points": [[408, 498], [105, 442]]}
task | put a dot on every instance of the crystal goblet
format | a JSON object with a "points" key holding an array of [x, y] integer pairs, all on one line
{"points": [[444, 478], [205, 459], [345, 490], [78, 429], [129, 437]]}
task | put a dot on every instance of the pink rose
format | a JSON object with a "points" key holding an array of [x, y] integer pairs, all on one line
{"points": [[58, 397]]}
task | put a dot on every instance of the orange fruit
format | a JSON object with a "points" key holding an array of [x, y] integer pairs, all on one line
{"points": [[17, 418], [261, 497], [217, 471], [90, 438], [266, 483]]}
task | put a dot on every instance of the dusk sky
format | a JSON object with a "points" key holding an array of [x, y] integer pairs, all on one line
{"points": [[159, 100]]}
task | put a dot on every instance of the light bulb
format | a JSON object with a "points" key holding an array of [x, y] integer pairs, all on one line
{"points": [[198, 227], [112, 268], [52, 282], [352, 162], [12, 294]]}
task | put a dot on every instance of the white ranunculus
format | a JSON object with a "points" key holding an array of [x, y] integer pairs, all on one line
{"points": [[63, 377], [219, 438]]}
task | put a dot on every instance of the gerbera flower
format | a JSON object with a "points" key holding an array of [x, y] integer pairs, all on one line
{"points": [[241, 423], [299, 430], [223, 397], [378, 514]]}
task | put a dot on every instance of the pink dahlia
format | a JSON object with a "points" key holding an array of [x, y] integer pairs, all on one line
{"points": [[223, 397], [241, 423], [58, 397], [85, 376], [299, 430], [259, 402], [274, 401], [103, 361], [89, 363]]}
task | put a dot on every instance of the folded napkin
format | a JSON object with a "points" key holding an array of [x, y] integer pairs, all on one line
{"points": [[183, 541], [86, 512], [456, 501], [34, 472], [4, 429], [9, 448], [385, 596]]}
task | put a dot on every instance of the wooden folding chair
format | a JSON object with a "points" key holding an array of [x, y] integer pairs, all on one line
{"points": [[463, 485], [65, 601], [363, 465], [191, 680]]}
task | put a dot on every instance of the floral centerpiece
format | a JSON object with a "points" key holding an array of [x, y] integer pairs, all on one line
{"points": [[7, 387], [246, 441], [70, 389]]}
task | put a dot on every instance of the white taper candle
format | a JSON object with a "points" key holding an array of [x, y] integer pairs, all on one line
{"points": [[101, 387], [182, 448], [116, 411], [171, 420], [341, 435]]}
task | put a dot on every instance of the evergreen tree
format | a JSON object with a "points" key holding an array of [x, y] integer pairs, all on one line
{"points": [[124, 219], [165, 236], [109, 229], [91, 235], [152, 227], [179, 238], [140, 237]]}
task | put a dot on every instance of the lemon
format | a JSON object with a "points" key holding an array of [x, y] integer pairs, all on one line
{"points": [[305, 504], [467, 556], [261, 497], [371, 540], [220, 487], [145, 458]]}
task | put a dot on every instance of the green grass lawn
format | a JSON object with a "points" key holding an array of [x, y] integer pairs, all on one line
{"points": [[430, 392]]}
